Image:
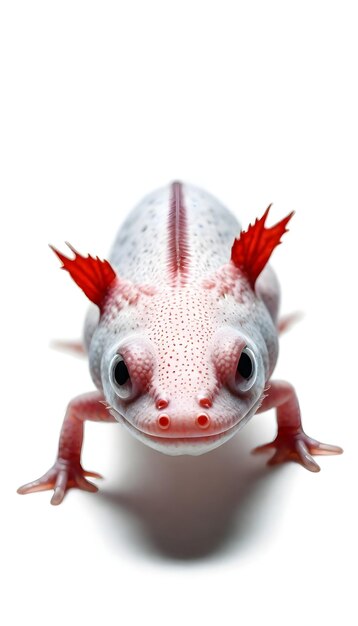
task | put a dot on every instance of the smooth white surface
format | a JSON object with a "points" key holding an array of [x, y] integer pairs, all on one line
{"points": [[102, 102]]}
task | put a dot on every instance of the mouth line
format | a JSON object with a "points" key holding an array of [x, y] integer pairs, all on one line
{"points": [[171, 440], [174, 441]]}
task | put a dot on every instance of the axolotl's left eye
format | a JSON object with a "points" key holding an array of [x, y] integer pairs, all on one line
{"points": [[237, 362], [246, 370]]}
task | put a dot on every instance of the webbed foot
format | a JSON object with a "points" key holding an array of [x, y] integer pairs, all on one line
{"points": [[63, 475], [291, 444]]}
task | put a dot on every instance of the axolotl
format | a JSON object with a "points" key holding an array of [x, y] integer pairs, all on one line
{"points": [[182, 336]]}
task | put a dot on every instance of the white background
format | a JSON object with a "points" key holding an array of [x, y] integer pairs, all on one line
{"points": [[101, 102]]}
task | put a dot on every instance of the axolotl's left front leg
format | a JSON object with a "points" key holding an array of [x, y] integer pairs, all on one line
{"points": [[67, 471], [291, 442]]}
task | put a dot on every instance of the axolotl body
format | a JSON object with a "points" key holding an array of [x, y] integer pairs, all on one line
{"points": [[182, 336]]}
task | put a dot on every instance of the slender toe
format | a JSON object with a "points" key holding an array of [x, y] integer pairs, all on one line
{"points": [[92, 474], [326, 449], [35, 485], [86, 485], [58, 496], [305, 458]]}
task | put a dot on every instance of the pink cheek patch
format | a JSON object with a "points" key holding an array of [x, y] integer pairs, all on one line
{"points": [[226, 357], [140, 365]]}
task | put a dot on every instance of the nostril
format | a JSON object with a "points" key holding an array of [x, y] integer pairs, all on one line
{"points": [[162, 403], [203, 420], [163, 421], [205, 402]]}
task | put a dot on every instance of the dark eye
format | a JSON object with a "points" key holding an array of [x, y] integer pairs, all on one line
{"points": [[246, 370], [120, 378], [245, 366], [121, 374]]}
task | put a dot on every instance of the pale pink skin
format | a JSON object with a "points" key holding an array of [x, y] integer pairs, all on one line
{"points": [[186, 317]]}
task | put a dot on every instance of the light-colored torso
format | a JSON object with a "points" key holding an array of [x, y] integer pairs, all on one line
{"points": [[140, 251]]}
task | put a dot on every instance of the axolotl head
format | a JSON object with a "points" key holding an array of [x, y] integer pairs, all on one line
{"points": [[182, 368]]}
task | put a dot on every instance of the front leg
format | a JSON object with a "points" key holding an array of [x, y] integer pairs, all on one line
{"points": [[67, 471], [291, 442]]}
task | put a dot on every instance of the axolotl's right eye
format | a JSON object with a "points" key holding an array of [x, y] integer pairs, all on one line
{"points": [[121, 374], [120, 378], [130, 369]]}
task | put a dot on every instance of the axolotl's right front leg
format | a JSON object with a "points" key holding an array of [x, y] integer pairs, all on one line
{"points": [[67, 471]]}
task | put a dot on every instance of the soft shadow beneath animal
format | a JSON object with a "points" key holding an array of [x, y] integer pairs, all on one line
{"points": [[193, 507]]}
